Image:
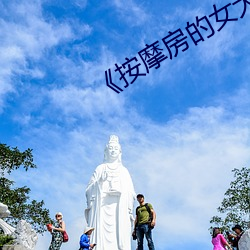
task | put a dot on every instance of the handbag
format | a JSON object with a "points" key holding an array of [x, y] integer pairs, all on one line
{"points": [[49, 227], [65, 236]]}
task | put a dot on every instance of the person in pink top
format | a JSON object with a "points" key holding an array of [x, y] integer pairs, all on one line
{"points": [[218, 240]]}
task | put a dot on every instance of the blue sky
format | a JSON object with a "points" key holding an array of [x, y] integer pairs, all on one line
{"points": [[183, 127]]}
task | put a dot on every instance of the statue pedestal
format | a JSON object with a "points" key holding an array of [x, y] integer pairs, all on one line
{"points": [[13, 247]]}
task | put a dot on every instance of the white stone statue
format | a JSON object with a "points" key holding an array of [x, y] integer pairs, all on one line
{"points": [[244, 242], [25, 235], [4, 212], [110, 198]]}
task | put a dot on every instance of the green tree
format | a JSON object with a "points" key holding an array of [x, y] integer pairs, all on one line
{"points": [[235, 206], [17, 199]]}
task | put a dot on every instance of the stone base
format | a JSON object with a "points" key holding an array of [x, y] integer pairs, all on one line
{"points": [[13, 247]]}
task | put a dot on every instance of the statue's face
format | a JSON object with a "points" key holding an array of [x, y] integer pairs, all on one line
{"points": [[114, 150]]}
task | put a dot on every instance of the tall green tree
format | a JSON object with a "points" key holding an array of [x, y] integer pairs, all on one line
{"points": [[17, 199], [235, 207]]}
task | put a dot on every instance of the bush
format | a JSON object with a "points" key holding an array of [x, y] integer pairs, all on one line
{"points": [[6, 240]]}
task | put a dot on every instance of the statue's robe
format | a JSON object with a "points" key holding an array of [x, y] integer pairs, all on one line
{"points": [[110, 197]]}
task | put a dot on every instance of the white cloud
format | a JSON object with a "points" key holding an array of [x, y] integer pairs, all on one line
{"points": [[86, 102], [219, 46], [80, 3], [130, 12], [32, 33], [25, 35], [94, 71]]}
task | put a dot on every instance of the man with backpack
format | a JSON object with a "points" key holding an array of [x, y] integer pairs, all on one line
{"points": [[144, 223]]}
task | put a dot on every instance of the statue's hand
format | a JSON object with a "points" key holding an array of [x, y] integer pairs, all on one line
{"points": [[104, 176], [90, 201], [132, 217]]}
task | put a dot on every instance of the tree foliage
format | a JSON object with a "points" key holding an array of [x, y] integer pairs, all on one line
{"points": [[235, 206], [17, 199], [12, 159]]}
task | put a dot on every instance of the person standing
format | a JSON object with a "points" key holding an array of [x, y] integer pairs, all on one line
{"points": [[144, 223], [218, 240], [85, 239], [239, 231], [56, 231]]}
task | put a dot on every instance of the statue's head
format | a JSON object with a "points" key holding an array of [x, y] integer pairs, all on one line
{"points": [[113, 150], [4, 211]]}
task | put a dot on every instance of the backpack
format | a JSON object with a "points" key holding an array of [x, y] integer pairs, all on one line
{"points": [[149, 212]]}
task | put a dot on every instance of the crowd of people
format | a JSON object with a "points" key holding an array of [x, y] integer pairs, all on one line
{"points": [[144, 223], [219, 241]]}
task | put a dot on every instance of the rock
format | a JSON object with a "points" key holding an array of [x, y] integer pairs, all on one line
{"points": [[244, 242], [13, 247]]}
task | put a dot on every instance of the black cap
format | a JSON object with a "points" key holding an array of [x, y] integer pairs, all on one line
{"points": [[237, 227], [140, 195]]}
